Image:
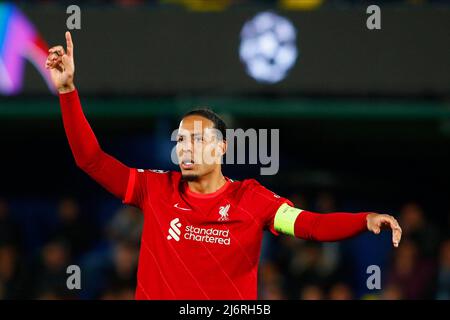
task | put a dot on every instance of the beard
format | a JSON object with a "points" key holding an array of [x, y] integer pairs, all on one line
{"points": [[189, 177]]}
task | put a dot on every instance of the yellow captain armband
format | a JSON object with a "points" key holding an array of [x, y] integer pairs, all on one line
{"points": [[285, 217]]}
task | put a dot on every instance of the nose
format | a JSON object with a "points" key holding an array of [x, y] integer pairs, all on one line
{"points": [[186, 145]]}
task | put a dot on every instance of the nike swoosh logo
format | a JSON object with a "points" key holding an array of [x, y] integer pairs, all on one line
{"points": [[176, 206]]}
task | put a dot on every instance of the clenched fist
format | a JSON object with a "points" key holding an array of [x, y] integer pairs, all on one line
{"points": [[62, 66]]}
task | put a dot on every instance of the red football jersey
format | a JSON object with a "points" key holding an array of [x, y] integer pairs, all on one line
{"points": [[197, 246]]}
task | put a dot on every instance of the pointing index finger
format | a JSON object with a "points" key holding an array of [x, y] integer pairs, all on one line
{"points": [[69, 44]]}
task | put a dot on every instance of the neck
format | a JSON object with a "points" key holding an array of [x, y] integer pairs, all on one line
{"points": [[209, 183]]}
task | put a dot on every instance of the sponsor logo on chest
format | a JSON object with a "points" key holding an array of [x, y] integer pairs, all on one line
{"points": [[179, 231]]}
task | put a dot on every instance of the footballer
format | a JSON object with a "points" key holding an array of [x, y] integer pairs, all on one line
{"points": [[202, 231]]}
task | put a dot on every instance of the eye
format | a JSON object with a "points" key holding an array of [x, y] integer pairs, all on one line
{"points": [[180, 139], [198, 139]]}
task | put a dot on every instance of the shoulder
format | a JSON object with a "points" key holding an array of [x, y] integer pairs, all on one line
{"points": [[158, 176], [157, 172], [246, 183], [252, 188]]}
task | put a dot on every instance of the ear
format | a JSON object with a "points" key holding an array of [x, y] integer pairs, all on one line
{"points": [[224, 147]]}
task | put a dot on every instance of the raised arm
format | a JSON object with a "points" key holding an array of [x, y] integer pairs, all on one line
{"points": [[106, 170]]}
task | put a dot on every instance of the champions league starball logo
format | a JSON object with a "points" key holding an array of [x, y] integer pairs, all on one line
{"points": [[268, 47]]}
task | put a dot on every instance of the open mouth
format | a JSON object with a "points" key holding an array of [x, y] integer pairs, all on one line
{"points": [[187, 164]]}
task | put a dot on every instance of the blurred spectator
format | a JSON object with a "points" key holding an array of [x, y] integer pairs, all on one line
{"points": [[325, 202], [392, 292], [126, 225], [312, 292], [77, 232], [120, 293], [270, 274], [273, 292], [340, 291], [110, 264], [418, 229], [410, 272], [121, 277], [49, 275], [331, 251], [443, 285], [307, 266], [9, 230], [271, 280], [11, 273]]}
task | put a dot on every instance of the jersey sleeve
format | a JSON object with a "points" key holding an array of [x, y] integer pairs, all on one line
{"points": [[89, 156], [142, 184], [265, 204]]}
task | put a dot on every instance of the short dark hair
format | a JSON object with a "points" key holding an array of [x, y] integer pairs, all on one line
{"points": [[207, 113]]}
